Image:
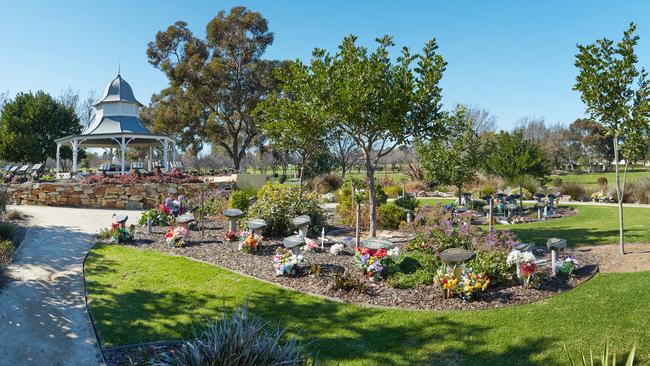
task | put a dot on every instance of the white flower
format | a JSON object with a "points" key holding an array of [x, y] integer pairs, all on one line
{"points": [[394, 253], [516, 257], [336, 249]]}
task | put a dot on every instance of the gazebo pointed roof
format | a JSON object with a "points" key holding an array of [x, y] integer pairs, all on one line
{"points": [[118, 90]]}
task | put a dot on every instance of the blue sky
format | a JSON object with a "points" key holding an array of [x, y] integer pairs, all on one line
{"points": [[514, 58]]}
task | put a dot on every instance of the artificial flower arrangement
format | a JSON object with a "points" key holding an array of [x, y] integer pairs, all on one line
{"points": [[176, 236], [373, 263], [173, 207], [231, 235], [286, 263], [311, 246], [600, 196], [337, 249], [250, 243], [567, 267], [119, 233], [468, 286], [525, 262]]}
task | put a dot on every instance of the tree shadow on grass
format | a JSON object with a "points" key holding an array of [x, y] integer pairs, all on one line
{"points": [[342, 333], [575, 236], [335, 332]]}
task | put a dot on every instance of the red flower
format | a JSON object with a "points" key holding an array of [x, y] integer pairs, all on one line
{"points": [[164, 209], [365, 251], [528, 268], [381, 253], [170, 234]]}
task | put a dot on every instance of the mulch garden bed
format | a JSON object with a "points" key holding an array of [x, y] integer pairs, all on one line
{"points": [[212, 248]]}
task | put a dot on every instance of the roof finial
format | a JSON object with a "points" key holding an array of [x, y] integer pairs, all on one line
{"points": [[118, 68]]}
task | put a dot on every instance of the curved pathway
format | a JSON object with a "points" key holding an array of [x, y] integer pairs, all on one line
{"points": [[43, 319]]}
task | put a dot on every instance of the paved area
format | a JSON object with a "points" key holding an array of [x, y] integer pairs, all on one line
{"points": [[43, 318]]}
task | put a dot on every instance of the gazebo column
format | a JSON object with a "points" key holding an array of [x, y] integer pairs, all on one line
{"points": [[58, 159], [123, 156], [165, 155], [150, 158], [174, 153], [75, 149]]}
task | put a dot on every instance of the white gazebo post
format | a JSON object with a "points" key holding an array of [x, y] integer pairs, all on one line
{"points": [[150, 158], [75, 148], [165, 155], [123, 156], [58, 159]]}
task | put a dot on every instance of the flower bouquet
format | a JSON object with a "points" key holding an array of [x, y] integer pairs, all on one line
{"points": [[469, 286], [176, 236], [119, 233], [311, 246], [287, 263], [447, 282], [525, 262], [173, 207], [250, 243], [337, 249], [231, 235], [567, 267], [374, 263]]}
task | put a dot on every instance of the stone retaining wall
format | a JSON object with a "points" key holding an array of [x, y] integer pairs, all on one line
{"points": [[130, 196]]}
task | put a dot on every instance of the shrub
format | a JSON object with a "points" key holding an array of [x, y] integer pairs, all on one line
{"points": [[606, 358], [385, 181], [390, 216], [640, 190], [345, 282], [413, 269], [238, 339], [214, 203], [282, 179], [6, 251], [407, 202], [278, 205], [493, 264], [7, 231], [602, 181], [174, 176], [484, 190], [157, 218], [627, 195], [346, 210], [573, 189], [240, 200], [557, 182], [415, 186], [393, 190], [328, 183]]}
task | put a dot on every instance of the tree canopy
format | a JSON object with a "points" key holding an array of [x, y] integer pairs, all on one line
{"points": [[617, 95], [380, 103], [30, 123], [214, 83], [456, 159]]}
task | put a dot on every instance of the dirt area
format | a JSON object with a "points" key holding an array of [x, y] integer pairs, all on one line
{"points": [[636, 259]]}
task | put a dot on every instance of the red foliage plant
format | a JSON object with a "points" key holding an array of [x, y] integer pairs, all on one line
{"points": [[174, 176]]}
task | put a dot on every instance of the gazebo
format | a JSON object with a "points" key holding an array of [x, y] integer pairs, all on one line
{"points": [[117, 125]]}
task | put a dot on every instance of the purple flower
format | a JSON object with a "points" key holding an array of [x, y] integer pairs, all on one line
{"points": [[168, 202]]}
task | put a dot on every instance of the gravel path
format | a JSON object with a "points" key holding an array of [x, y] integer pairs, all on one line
{"points": [[43, 318]]}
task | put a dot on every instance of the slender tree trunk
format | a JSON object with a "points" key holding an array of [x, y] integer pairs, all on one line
{"points": [[343, 171], [460, 194], [619, 194], [372, 195], [302, 173], [521, 195]]}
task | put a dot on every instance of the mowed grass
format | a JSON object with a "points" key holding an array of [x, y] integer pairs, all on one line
{"points": [[591, 225], [137, 296], [590, 179]]}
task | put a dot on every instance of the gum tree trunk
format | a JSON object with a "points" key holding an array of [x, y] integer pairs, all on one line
{"points": [[372, 195]]}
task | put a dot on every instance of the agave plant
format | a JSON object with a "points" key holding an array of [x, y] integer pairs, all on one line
{"points": [[606, 358], [238, 339]]}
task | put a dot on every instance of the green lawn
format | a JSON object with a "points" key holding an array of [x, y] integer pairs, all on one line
{"points": [[589, 179], [590, 225], [138, 296]]}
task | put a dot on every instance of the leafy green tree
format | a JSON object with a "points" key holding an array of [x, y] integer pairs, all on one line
{"points": [[513, 157], [294, 119], [379, 103], [595, 146], [30, 123], [617, 95], [215, 84], [455, 159]]}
